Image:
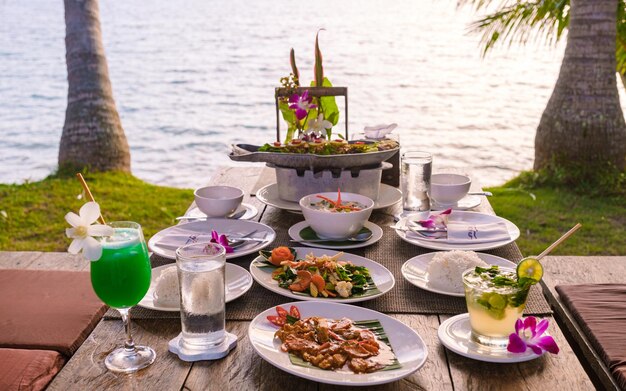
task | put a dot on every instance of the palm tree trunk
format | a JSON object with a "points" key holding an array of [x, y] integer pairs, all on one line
{"points": [[583, 123], [93, 136]]}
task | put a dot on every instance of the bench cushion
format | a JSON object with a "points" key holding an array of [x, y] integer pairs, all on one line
{"points": [[600, 310], [50, 310], [28, 369]]}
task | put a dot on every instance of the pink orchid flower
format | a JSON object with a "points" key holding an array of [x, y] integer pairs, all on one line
{"points": [[221, 239], [301, 104], [436, 220], [529, 334]]}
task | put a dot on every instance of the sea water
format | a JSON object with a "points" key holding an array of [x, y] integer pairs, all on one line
{"points": [[202, 303]]}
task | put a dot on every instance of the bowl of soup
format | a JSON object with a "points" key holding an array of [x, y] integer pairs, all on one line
{"points": [[332, 220]]}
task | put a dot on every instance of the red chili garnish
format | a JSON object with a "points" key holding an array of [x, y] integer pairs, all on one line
{"points": [[277, 320], [281, 311], [359, 143], [296, 141], [277, 144], [294, 311]]}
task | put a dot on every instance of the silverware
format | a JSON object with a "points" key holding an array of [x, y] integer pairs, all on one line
{"points": [[362, 237], [418, 229], [481, 193]]}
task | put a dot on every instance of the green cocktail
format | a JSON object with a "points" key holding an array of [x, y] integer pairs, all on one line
{"points": [[121, 277]]}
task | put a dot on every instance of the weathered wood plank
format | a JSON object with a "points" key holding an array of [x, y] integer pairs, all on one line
{"points": [[36, 260], [86, 370], [549, 372]]}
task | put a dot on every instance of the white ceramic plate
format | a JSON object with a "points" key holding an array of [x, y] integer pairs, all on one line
{"points": [[414, 271], [377, 234], [165, 242], [244, 212], [460, 216], [454, 334], [407, 345], [465, 203], [382, 277], [387, 196], [238, 282]]}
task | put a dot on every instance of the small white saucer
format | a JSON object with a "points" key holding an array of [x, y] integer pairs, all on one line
{"points": [[377, 234], [455, 334], [465, 203], [222, 350], [244, 212]]}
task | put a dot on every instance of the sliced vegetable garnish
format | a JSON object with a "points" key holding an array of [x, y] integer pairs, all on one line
{"points": [[530, 268]]}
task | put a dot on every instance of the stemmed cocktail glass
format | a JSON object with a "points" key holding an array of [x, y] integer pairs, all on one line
{"points": [[121, 278]]}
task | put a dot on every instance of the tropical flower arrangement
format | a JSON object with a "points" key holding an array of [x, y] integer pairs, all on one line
{"points": [[530, 335], [310, 119]]}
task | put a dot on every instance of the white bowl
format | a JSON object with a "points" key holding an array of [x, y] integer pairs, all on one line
{"points": [[448, 189], [218, 201], [336, 225]]}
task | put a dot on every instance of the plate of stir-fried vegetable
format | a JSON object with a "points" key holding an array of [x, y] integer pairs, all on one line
{"points": [[318, 274]]}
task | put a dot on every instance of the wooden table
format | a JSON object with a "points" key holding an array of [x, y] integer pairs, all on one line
{"points": [[243, 369]]}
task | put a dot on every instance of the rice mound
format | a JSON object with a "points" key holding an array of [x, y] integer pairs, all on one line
{"points": [[166, 291], [445, 270]]}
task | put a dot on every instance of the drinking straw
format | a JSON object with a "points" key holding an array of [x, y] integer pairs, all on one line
{"points": [[559, 241], [88, 192]]}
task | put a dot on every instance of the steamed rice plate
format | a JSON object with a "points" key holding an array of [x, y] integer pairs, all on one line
{"points": [[445, 270], [166, 291]]}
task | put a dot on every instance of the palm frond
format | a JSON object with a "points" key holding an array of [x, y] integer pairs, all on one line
{"points": [[522, 21]]}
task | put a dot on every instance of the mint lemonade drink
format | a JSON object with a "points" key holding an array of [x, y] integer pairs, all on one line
{"points": [[121, 277], [495, 300]]}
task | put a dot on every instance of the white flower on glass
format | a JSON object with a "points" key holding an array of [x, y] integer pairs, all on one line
{"points": [[83, 230], [378, 131], [319, 124]]}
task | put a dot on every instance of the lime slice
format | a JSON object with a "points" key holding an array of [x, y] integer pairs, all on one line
{"points": [[530, 268]]}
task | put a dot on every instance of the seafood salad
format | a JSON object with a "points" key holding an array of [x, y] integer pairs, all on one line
{"points": [[325, 276], [360, 347]]}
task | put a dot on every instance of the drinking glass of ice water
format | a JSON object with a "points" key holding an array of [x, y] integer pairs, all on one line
{"points": [[121, 278], [415, 180], [201, 274]]}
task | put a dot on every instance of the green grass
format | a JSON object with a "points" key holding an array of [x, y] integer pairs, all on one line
{"points": [[32, 214], [544, 213]]}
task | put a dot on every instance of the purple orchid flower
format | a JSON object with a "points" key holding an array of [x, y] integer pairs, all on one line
{"points": [[301, 104], [436, 220], [221, 239], [531, 337]]}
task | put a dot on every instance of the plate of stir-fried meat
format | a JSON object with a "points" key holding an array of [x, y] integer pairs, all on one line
{"points": [[305, 273], [337, 343]]}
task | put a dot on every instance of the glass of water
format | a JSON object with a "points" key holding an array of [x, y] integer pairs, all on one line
{"points": [[416, 171], [201, 274]]}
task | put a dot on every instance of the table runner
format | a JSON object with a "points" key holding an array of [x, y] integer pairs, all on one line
{"points": [[391, 252]]}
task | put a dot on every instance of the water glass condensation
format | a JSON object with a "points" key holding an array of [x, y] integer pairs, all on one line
{"points": [[201, 274], [416, 171]]}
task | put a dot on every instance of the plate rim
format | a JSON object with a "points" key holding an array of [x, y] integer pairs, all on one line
{"points": [[289, 294], [431, 255], [441, 334], [295, 207], [433, 245], [297, 371], [377, 234], [465, 208], [249, 207], [172, 309], [168, 254]]}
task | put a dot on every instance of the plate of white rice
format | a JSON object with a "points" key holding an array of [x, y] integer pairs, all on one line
{"points": [[163, 294], [441, 271]]}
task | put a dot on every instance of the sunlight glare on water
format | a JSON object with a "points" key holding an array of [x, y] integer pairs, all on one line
{"points": [[190, 78]]}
